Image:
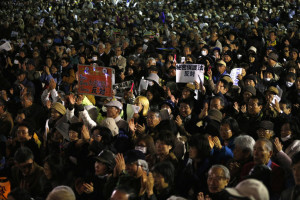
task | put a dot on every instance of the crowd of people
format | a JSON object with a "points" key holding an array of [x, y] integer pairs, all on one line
{"points": [[221, 138]]}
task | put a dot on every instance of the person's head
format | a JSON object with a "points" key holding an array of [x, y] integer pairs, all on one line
{"points": [[124, 192], [135, 163], [250, 80], [221, 66], [262, 151], [163, 174], [265, 129], [114, 108], [145, 144], [102, 134], [296, 168], [24, 132], [229, 127], [272, 59], [153, 118], [186, 107], [289, 130], [217, 102], [111, 124], [270, 93], [255, 105], [21, 75], [101, 48], [53, 167], [61, 192], [64, 62], [199, 147], [168, 105], [218, 178], [188, 91], [24, 160], [285, 106], [143, 103], [249, 189], [290, 79], [223, 85], [118, 51], [105, 163], [243, 147], [75, 131], [164, 142], [27, 100], [57, 111], [248, 92], [272, 36], [187, 50]]}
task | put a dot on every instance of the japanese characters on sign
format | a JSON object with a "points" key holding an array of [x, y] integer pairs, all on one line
{"points": [[95, 80], [186, 73]]}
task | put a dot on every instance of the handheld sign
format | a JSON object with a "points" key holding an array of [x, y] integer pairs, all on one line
{"points": [[186, 73], [95, 80]]}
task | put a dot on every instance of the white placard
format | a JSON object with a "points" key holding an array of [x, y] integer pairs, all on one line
{"points": [[131, 110], [234, 75], [186, 73], [6, 46]]}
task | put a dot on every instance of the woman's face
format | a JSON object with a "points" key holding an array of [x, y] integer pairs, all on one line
{"points": [[285, 130], [193, 152], [225, 132], [54, 114], [162, 148]]}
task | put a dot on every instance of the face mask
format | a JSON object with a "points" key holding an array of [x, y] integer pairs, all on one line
{"points": [[142, 149], [289, 84], [204, 53], [49, 41], [94, 58], [267, 79], [284, 139], [104, 109], [164, 42], [151, 83], [239, 56], [146, 40]]}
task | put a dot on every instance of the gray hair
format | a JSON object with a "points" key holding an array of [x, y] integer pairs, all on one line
{"points": [[101, 44], [267, 142], [225, 170], [246, 142], [152, 61]]}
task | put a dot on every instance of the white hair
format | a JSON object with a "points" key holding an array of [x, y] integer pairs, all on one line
{"points": [[245, 142]]}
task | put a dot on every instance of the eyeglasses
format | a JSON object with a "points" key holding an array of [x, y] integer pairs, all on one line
{"points": [[215, 178]]}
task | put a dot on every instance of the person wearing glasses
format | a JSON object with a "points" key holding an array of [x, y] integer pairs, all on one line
{"points": [[217, 179], [26, 173]]}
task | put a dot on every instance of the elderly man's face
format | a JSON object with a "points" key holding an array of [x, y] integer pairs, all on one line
{"points": [[261, 155], [112, 112], [152, 119], [216, 180]]}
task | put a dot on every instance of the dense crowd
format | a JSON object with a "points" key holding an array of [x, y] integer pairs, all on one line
{"points": [[220, 137]]}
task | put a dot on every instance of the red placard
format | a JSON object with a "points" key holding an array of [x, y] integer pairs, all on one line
{"points": [[95, 80]]}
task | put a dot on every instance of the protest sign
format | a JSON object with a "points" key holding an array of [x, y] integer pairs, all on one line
{"points": [[186, 73], [95, 80], [234, 75], [119, 88], [6, 46]]}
